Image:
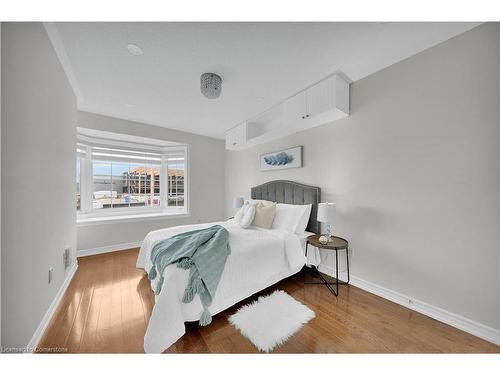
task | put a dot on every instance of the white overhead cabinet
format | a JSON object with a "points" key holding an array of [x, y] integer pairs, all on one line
{"points": [[236, 137], [321, 97], [319, 104], [295, 111]]}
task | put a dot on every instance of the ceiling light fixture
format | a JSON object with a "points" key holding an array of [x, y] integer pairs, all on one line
{"points": [[134, 49], [210, 85]]}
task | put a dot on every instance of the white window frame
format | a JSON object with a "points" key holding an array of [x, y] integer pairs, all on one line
{"points": [[88, 216]]}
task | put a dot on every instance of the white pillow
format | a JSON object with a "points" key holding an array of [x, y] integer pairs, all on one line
{"points": [[304, 219], [239, 214], [245, 215], [292, 217]]}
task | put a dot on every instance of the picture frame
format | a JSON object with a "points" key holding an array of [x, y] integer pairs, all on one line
{"points": [[282, 159]]}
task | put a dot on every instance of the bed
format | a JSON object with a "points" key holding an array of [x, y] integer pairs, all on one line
{"points": [[259, 258]]}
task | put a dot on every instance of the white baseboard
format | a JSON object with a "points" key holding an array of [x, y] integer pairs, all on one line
{"points": [[52, 308], [465, 324], [108, 249]]}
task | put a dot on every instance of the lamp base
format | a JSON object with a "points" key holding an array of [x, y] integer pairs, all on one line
{"points": [[329, 233]]}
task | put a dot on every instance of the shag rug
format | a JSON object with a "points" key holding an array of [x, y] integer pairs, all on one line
{"points": [[271, 320]]}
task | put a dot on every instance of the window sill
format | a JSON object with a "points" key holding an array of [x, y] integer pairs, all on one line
{"points": [[116, 219]]}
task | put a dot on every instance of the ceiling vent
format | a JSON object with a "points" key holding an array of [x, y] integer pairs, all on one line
{"points": [[210, 85]]}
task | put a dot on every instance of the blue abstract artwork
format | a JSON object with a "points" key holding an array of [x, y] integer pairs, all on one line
{"points": [[290, 158], [281, 158]]}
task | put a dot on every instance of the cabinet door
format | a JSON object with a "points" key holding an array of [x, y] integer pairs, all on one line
{"points": [[294, 110], [236, 137], [320, 97]]}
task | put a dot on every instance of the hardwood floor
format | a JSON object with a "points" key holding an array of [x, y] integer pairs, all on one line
{"points": [[108, 303]]}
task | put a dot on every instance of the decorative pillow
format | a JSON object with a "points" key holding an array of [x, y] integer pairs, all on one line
{"points": [[264, 215], [245, 215], [248, 216], [239, 214], [264, 202], [292, 217]]}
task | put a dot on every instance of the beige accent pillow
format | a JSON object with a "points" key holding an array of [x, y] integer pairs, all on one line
{"points": [[264, 202], [264, 215]]}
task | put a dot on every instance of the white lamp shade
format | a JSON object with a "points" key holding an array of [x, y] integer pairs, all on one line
{"points": [[326, 212], [237, 202]]}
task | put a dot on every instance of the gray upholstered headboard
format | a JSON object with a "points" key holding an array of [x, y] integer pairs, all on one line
{"points": [[290, 192]]}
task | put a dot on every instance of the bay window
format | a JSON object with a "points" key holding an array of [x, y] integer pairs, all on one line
{"points": [[117, 179]]}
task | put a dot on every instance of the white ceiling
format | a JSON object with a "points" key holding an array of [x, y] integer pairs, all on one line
{"points": [[260, 63]]}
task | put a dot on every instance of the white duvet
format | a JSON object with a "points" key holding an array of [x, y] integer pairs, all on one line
{"points": [[258, 259]]}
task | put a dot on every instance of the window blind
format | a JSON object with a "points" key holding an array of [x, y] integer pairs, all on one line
{"points": [[125, 155]]}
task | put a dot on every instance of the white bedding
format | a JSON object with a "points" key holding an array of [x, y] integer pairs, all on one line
{"points": [[259, 258]]}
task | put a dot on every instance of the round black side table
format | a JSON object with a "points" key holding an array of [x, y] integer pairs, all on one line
{"points": [[336, 245]]}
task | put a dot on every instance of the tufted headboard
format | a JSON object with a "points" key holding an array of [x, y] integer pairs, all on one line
{"points": [[290, 192]]}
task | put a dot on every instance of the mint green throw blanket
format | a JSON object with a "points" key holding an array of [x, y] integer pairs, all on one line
{"points": [[204, 253]]}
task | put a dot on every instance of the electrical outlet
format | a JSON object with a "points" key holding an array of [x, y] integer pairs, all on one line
{"points": [[51, 274]]}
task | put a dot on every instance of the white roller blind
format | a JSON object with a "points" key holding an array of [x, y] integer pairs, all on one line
{"points": [[125, 155]]}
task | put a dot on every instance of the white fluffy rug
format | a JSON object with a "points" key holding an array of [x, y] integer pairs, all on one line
{"points": [[271, 320]]}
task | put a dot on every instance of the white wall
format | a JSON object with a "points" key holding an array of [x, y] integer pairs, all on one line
{"points": [[38, 177], [415, 175], [206, 181]]}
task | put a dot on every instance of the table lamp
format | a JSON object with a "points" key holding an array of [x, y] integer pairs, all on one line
{"points": [[326, 214], [238, 202]]}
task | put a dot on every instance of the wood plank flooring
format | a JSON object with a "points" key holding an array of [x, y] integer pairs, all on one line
{"points": [[108, 304]]}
